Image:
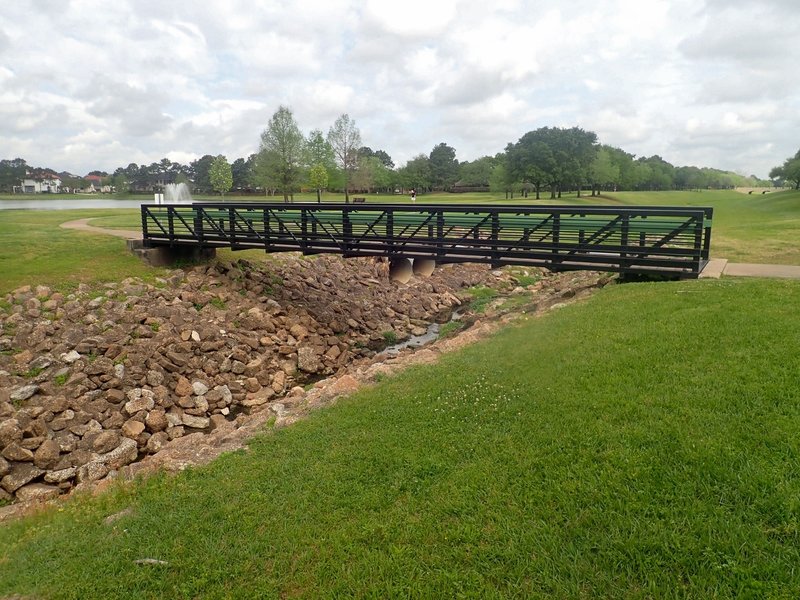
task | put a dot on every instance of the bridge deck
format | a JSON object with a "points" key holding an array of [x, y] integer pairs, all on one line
{"points": [[672, 241]]}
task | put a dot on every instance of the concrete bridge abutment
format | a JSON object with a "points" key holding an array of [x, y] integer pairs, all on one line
{"points": [[165, 256]]}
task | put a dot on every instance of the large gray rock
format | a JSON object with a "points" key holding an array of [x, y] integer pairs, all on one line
{"points": [[61, 475], [9, 432], [195, 421], [92, 471], [199, 388], [139, 399], [156, 420], [24, 392], [15, 452], [20, 474], [37, 492], [132, 429], [122, 455], [308, 359], [106, 442], [47, 455]]}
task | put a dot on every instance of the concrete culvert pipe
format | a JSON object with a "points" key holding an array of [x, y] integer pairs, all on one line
{"points": [[424, 267], [400, 270]]}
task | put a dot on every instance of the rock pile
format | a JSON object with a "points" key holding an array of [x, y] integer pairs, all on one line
{"points": [[99, 378]]}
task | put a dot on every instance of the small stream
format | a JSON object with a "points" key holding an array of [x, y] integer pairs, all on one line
{"points": [[418, 341]]}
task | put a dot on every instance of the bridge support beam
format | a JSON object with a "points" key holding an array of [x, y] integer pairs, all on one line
{"points": [[424, 267], [400, 270]]}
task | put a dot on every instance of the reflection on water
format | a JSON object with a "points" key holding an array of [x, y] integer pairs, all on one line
{"points": [[75, 203]]}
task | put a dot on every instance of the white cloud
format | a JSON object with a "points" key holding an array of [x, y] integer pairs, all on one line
{"points": [[92, 84]]}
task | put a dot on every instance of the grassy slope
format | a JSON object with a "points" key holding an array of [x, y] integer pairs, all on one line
{"points": [[573, 456]]}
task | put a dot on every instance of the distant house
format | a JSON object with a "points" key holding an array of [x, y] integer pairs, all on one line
{"points": [[41, 183], [94, 184]]}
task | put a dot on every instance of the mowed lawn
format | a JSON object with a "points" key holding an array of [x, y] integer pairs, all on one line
{"points": [[640, 444]]}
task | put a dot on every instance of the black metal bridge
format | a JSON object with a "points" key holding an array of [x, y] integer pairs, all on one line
{"points": [[659, 240]]}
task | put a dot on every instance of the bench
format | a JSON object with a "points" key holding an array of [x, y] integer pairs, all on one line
{"points": [[359, 200]]}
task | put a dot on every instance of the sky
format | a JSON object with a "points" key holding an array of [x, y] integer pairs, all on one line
{"points": [[98, 84]]}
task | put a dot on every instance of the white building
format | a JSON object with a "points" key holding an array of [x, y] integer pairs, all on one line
{"points": [[42, 184]]}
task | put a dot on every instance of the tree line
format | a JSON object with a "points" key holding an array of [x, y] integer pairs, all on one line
{"points": [[548, 160]]}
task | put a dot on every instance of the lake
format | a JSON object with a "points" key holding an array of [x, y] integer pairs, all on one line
{"points": [[76, 203]]}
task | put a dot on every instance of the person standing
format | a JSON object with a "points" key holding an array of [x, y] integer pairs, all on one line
{"points": [[413, 196]]}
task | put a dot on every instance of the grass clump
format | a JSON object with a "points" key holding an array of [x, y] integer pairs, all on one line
{"points": [[389, 337], [480, 297], [32, 372], [218, 303], [450, 328]]}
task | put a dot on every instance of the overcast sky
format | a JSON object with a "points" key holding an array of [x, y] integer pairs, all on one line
{"points": [[97, 84]]}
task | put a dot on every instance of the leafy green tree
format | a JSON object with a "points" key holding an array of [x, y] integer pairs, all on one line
{"points": [[240, 169], [531, 161], [499, 180], [661, 174], [319, 151], [602, 171], [385, 159], [345, 139], [372, 174], [220, 175], [120, 182], [12, 172], [476, 173], [789, 171], [381, 155], [416, 173], [443, 166], [318, 178], [320, 161], [198, 172], [282, 152]]}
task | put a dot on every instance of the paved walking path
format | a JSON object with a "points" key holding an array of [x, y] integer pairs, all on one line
{"points": [[720, 266], [715, 268], [83, 225]]}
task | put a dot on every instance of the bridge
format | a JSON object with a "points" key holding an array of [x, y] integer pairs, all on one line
{"points": [[654, 240]]}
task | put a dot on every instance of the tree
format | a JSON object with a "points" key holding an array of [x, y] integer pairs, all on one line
{"points": [[476, 173], [789, 171], [198, 172], [443, 166], [381, 155], [371, 174], [12, 172], [385, 159], [240, 170], [319, 151], [416, 173], [345, 140], [318, 178], [220, 175], [602, 171], [281, 152], [120, 182], [320, 162]]}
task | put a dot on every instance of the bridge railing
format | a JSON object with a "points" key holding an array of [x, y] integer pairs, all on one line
{"points": [[652, 239]]}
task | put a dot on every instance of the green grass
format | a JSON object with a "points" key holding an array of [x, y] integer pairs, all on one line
{"points": [[481, 297], [35, 250], [758, 228], [642, 444]]}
